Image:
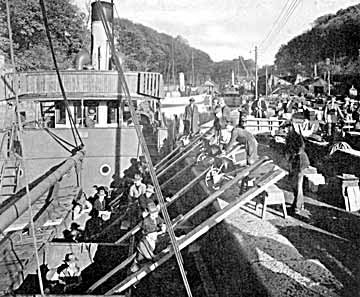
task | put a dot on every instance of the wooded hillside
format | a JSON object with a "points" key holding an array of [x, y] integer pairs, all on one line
{"points": [[333, 43], [141, 48]]}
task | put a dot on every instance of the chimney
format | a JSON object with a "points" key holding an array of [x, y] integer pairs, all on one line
{"points": [[100, 47]]}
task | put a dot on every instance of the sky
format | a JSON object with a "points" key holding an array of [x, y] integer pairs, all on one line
{"points": [[226, 29]]}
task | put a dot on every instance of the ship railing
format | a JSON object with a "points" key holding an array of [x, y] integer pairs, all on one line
{"points": [[80, 84]]}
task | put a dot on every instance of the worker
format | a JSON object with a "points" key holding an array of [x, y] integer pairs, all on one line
{"points": [[137, 189], [152, 226], [90, 118], [146, 198], [331, 116], [299, 164], [240, 136], [67, 276], [191, 118]]}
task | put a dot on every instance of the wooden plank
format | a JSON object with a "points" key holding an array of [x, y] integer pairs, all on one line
{"points": [[182, 157], [197, 232], [176, 175], [176, 196], [212, 197], [111, 273], [176, 157]]}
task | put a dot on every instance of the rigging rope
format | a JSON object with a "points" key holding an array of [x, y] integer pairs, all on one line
{"points": [[32, 226], [145, 150], [72, 121]]}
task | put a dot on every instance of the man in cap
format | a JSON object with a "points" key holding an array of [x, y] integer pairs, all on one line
{"points": [[137, 189], [259, 108], [152, 226], [67, 275], [90, 118], [145, 199], [191, 118], [240, 136]]}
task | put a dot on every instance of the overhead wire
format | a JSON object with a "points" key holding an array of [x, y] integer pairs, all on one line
{"points": [[23, 158], [274, 24], [284, 22], [74, 129], [279, 25], [144, 147]]}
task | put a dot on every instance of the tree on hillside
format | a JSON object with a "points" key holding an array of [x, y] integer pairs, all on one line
{"points": [[66, 24], [147, 50], [335, 37]]}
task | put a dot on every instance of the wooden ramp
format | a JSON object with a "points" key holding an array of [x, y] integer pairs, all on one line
{"points": [[181, 219], [261, 183], [175, 197]]}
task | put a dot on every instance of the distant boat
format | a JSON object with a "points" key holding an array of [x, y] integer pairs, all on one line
{"points": [[172, 106]]}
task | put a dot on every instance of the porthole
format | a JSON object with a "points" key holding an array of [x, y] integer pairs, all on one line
{"points": [[105, 169], [21, 172]]}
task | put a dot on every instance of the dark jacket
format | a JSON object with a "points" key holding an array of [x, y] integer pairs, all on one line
{"points": [[192, 117]]}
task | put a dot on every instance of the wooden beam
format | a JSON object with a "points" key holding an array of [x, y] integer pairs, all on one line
{"points": [[176, 175], [162, 161], [111, 273], [201, 229], [190, 145], [162, 172], [176, 196], [245, 172]]}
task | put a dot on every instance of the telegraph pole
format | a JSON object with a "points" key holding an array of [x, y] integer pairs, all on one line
{"points": [[256, 74], [266, 81], [192, 69]]}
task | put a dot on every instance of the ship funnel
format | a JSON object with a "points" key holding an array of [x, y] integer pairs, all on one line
{"points": [[100, 47]]}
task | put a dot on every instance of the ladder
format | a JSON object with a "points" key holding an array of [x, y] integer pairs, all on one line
{"points": [[10, 165]]}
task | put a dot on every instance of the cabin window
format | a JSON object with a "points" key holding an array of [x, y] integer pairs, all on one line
{"points": [[77, 113], [60, 113], [112, 112]]}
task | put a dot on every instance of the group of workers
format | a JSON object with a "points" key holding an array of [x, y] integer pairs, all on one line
{"points": [[141, 206], [141, 198]]}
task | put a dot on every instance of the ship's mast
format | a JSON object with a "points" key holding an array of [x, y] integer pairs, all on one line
{"points": [[256, 73], [173, 62]]}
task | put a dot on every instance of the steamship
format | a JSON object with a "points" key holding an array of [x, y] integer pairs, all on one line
{"points": [[52, 159]]}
